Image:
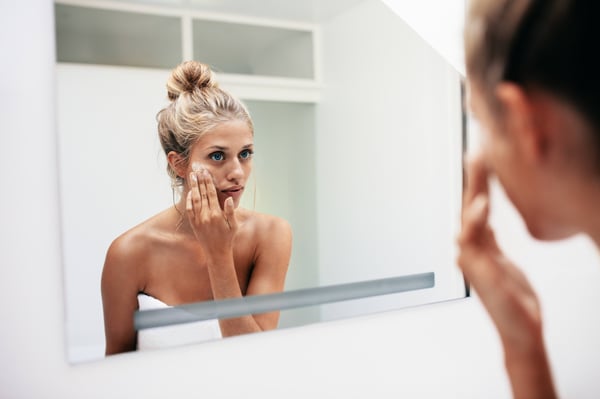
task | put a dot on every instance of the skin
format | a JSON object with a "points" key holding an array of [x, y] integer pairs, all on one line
{"points": [[538, 147], [203, 248]]}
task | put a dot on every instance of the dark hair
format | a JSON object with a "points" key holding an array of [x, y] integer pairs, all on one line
{"points": [[548, 44]]}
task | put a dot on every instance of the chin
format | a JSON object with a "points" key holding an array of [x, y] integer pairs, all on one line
{"points": [[550, 232]]}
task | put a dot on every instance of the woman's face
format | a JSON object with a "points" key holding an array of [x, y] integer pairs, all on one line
{"points": [[503, 160], [226, 152], [530, 186]]}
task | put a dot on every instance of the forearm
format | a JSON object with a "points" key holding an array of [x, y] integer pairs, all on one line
{"points": [[529, 373], [225, 284]]}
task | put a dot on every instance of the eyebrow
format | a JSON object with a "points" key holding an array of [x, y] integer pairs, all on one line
{"points": [[220, 148]]}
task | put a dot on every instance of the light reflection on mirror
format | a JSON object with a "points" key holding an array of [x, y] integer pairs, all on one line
{"points": [[363, 159]]}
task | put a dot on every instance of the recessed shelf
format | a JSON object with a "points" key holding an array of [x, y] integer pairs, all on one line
{"points": [[255, 59], [113, 37], [238, 48]]}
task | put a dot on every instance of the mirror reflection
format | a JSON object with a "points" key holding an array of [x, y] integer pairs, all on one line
{"points": [[203, 247], [354, 149]]}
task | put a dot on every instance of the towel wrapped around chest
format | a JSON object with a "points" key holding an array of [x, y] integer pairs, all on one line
{"points": [[177, 335]]}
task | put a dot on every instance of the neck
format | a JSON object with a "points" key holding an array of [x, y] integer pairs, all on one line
{"points": [[180, 214]]}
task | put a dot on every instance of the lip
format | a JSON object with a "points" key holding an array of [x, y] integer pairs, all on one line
{"points": [[233, 190]]}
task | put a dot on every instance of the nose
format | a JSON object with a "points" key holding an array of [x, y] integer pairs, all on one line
{"points": [[235, 173]]}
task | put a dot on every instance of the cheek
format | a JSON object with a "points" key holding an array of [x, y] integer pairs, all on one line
{"points": [[246, 167], [212, 169], [498, 165], [490, 153], [196, 165], [494, 147]]}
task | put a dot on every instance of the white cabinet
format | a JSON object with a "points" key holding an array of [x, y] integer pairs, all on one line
{"points": [[114, 37], [255, 58], [250, 49]]}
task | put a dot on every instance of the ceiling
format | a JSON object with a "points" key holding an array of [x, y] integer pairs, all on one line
{"points": [[310, 11]]}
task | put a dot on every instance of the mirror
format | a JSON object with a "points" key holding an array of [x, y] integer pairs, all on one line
{"points": [[358, 138]]}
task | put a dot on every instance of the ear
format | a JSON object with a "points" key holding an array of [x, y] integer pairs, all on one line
{"points": [[521, 121], [177, 163]]}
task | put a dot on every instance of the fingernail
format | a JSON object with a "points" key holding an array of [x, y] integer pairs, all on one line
{"points": [[193, 176]]}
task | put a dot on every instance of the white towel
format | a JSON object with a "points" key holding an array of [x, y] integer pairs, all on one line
{"points": [[177, 335]]}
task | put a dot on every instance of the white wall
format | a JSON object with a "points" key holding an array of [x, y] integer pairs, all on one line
{"points": [[112, 177], [388, 159], [443, 350], [438, 22]]}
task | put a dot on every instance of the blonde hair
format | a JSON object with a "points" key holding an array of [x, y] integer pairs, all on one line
{"points": [[197, 106]]}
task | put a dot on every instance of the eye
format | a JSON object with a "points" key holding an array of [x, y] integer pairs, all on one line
{"points": [[245, 154], [217, 156]]}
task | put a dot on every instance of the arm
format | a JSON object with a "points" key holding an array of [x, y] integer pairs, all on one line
{"points": [[504, 291], [216, 228], [119, 298], [271, 266], [268, 276]]}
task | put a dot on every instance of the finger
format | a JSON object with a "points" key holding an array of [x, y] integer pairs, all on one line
{"points": [[203, 191], [477, 175], [188, 205], [519, 277], [230, 214], [194, 194], [213, 199], [475, 219]]}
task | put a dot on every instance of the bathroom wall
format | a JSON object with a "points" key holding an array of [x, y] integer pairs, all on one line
{"points": [[443, 350], [438, 22], [388, 158]]}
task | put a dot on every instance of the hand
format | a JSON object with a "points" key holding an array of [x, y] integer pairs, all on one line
{"points": [[214, 227], [501, 286], [504, 291]]}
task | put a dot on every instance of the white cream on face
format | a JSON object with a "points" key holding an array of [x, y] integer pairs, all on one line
{"points": [[197, 167]]}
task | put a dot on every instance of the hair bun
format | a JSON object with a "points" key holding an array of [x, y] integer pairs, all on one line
{"points": [[187, 77]]}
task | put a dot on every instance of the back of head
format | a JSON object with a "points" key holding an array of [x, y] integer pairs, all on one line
{"points": [[545, 44], [197, 106]]}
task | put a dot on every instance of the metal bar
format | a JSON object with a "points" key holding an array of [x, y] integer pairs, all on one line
{"points": [[257, 304]]}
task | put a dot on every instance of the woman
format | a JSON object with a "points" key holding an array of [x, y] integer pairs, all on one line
{"points": [[204, 247], [533, 84]]}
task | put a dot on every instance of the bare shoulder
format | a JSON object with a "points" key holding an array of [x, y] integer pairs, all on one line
{"points": [[122, 259], [129, 252], [267, 226], [127, 246]]}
